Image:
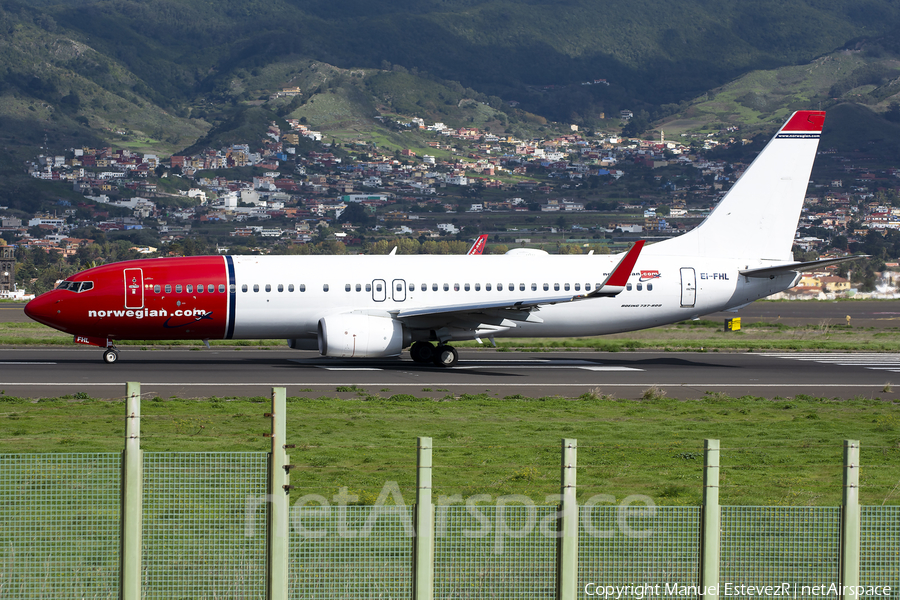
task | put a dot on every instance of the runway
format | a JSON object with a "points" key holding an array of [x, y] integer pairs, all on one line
{"points": [[54, 372]]}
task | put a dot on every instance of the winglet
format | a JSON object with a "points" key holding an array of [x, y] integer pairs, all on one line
{"points": [[617, 279], [478, 246]]}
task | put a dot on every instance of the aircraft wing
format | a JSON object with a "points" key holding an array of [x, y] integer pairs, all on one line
{"points": [[502, 314]]}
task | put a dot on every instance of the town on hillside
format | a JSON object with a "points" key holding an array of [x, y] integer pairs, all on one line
{"points": [[298, 192]]}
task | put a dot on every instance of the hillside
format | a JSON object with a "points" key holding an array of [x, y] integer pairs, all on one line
{"points": [[163, 77]]}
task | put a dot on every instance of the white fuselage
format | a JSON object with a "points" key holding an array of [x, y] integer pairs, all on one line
{"points": [[660, 290]]}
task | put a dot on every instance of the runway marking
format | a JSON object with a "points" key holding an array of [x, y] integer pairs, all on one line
{"points": [[707, 385], [24, 362], [868, 360], [530, 364], [348, 368]]}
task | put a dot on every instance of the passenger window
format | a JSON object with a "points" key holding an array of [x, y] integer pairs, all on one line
{"points": [[628, 287], [546, 287], [211, 288], [477, 287], [487, 287], [358, 288], [399, 287], [499, 287], [567, 287], [587, 287], [169, 289], [177, 289], [156, 289], [511, 287], [302, 287], [577, 287], [189, 289], [649, 287], [290, 287], [221, 288], [244, 288], [280, 287], [533, 287], [232, 287], [412, 287], [268, 287], [434, 287], [200, 288], [556, 287], [640, 287], [347, 287], [446, 287], [325, 288], [521, 287], [424, 287], [368, 287], [455, 287], [467, 288], [255, 287]]}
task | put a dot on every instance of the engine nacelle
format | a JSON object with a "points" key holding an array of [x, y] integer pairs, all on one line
{"points": [[354, 335]]}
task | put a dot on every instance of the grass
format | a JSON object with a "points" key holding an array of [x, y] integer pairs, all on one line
{"points": [[698, 336], [783, 451]]}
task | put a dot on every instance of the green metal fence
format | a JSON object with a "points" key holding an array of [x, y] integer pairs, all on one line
{"points": [[204, 526], [351, 552], [774, 545], [59, 525], [638, 546], [495, 552], [196, 525], [879, 561]]}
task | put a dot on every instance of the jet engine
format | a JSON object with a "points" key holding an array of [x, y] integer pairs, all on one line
{"points": [[354, 335]]}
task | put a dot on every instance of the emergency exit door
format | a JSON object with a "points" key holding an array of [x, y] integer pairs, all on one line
{"points": [[134, 288], [688, 287]]}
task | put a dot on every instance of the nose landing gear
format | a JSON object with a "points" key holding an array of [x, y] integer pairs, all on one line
{"points": [[110, 355]]}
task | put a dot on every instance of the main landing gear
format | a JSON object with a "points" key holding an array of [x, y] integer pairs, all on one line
{"points": [[442, 356], [110, 355]]}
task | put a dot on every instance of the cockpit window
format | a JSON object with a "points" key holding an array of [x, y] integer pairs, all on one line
{"points": [[76, 286]]}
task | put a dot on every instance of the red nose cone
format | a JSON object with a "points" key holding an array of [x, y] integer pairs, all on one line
{"points": [[43, 309]]}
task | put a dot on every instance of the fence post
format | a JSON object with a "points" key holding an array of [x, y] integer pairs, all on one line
{"points": [[278, 523], [567, 578], [423, 583], [709, 545], [850, 518], [132, 496]]}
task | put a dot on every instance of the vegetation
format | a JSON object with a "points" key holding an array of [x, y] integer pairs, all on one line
{"points": [[781, 451], [690, 336]]}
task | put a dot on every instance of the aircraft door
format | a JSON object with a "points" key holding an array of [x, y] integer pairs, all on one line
{"points": [[688, 287], [379, 290], [399, 290], [134, 288]]}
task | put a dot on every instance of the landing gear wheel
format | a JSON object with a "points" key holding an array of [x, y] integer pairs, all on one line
{"points": [[422, 352], [110, 356], [446, 356]]}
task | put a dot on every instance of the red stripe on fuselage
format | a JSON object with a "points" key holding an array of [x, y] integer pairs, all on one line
{"points": [[101, 311]]}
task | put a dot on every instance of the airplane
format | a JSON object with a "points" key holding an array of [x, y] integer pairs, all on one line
{"points": [[478, 245], [377, 306]]}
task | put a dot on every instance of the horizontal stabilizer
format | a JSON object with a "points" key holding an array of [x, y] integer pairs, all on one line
{"points": [[798, 266]]}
